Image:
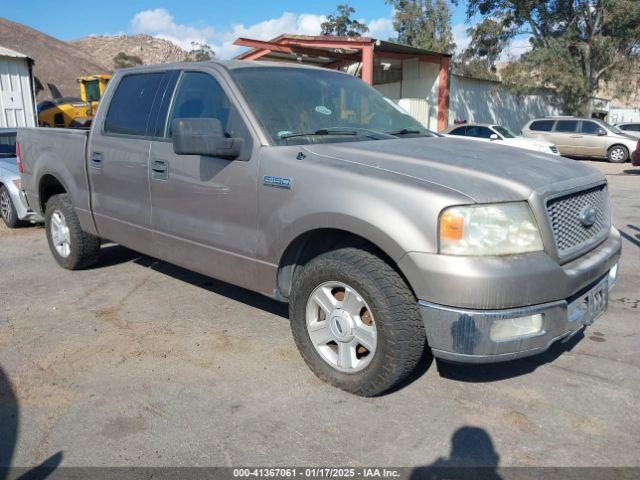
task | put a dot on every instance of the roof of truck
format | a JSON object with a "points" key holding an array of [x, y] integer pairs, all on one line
{"points": [[228, 64]]}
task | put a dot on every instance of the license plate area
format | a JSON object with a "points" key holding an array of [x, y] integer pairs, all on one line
{"points": [[591, 305], [598, 301]]}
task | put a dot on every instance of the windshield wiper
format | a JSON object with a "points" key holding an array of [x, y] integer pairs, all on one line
{"points": [[322, 131], [404, 131], [363, 132]]}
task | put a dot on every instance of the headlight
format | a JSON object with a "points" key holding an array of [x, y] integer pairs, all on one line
{"points": [[492, 229]]}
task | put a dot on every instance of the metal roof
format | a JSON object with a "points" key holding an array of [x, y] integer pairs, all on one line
{"points": [[5, 52]]}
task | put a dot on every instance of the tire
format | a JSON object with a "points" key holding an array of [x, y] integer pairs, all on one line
{"points": [[399, 330], [71, 247], [617, 154], [8, 210]]}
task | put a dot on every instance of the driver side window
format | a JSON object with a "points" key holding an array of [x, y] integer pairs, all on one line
{"points": [[199, 95]]}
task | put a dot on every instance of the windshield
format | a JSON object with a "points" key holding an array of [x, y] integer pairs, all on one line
{"points": [[504, 131], [8, 144], [298, 106], [92, 89]]}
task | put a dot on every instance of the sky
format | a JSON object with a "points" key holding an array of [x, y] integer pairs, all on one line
{"points": [[216, 22]]}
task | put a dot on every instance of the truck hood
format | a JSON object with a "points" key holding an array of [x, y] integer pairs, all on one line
{"points": [[484, 172]]}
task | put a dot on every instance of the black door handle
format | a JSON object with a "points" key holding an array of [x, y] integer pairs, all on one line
{"points": [[96, 160], [159, 170]]}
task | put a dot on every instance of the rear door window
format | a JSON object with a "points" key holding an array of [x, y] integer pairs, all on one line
{"points": [[542, 125], [566, 126], [458, 131], [131, 104]]}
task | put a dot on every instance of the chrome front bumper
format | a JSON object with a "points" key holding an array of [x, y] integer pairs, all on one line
{"points": [[463, 335]]}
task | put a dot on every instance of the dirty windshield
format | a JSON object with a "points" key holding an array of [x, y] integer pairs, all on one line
{"points": [[300, 106]]}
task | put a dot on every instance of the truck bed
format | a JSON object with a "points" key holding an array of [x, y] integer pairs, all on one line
{"points": [[57, 150]]}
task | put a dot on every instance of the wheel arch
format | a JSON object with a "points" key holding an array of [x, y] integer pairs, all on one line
{"points": [[48, 186], [313, 242]]}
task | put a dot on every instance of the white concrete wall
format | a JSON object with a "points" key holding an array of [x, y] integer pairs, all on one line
{"points": [[419, 81], [16, 98], [489, 102]]}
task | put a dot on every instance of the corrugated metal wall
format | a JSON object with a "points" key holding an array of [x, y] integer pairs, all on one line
{"points": [[16, 100], [489, 102], [623, 115]]}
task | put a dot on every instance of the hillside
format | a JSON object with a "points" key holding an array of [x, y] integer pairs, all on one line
{"points": [[149, 49], [56, 61]]}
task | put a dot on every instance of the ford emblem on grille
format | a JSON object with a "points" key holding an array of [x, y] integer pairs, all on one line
{"points": [[588, 216]]}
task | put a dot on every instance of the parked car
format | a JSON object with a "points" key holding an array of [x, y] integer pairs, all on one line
{"points": [[635, 156], [13, 208], [491, 133], [631, 128], [310, 187], [582, 137]]}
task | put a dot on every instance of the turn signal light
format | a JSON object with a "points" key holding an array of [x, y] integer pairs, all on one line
{"points": [[451, 226]]}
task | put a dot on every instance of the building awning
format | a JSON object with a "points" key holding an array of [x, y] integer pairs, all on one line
{"points": [[5, 52]]}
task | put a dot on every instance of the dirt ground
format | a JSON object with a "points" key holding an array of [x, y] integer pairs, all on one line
{"points": [[137, 362]]}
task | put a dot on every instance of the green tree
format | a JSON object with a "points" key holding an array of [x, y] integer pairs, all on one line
{"points": [[487, 44], [577, 46], [340, 23], [423, 24], [122, 60], [200, 52]]}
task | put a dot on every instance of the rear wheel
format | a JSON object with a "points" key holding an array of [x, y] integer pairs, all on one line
{"points": [[618, 154], [71, 247], [8, 209], [356, 322]]}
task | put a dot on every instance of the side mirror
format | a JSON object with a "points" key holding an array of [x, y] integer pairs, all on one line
{"points": [[494, 136], [203, 136], [602, 132]]}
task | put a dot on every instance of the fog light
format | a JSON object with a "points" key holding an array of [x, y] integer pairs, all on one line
{"points": [[513, 328], [613, 275]]}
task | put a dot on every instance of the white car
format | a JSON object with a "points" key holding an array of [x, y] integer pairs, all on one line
{"points": [[496, 133], [630, 128]]}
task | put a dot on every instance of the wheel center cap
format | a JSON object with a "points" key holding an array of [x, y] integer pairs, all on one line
{"points": [[341, 325]]}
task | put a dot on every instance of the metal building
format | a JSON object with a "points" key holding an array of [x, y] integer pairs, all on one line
{"points": [[17, 99]]}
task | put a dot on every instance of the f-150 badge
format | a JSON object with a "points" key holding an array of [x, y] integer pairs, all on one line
{"points": [[279, 182]]}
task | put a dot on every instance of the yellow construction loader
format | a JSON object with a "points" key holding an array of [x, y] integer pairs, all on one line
{"points": [[73, 112]]}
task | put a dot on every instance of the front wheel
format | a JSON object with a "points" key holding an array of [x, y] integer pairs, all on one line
{"points": [[618, 154], [356, 322], [71, 247]]}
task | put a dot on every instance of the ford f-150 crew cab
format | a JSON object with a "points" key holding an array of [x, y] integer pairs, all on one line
{"points": [[309, 186]]}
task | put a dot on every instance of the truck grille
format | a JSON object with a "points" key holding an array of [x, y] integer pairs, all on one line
{"points": [[554, 149], [570, 223]]}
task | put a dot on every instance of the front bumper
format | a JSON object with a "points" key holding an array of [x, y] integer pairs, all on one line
{"points": [[462, 334]]}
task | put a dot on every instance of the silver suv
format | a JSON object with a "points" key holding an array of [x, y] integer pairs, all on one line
{"points": [[582, 137]]}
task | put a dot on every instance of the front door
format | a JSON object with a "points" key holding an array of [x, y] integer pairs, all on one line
{"points": [[118, 163], [593, 145], [204, 213]]}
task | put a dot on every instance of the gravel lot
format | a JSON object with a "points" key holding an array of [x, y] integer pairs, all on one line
{"points": [[137, 362]]}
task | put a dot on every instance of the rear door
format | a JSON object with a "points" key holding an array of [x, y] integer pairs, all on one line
{"points": [[566, 137], [118, 162], [205, 208]]}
